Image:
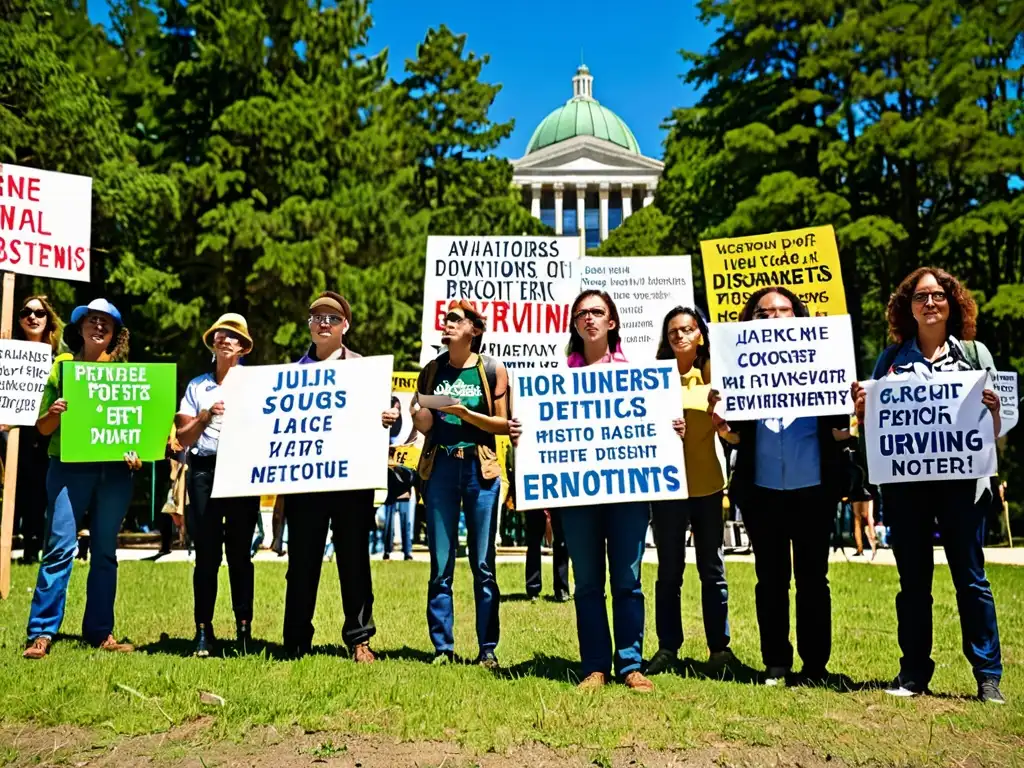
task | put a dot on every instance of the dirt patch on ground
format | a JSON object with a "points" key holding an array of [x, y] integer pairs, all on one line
{"points": [[191, 746]]}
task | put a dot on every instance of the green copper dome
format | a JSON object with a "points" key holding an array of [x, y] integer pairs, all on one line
{"points": [[582, 115]]}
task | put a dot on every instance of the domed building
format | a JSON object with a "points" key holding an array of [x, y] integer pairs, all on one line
{"points": [[583, 167]]}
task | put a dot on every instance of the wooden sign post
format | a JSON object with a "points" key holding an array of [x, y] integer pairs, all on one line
{"points": [[11, 468]]}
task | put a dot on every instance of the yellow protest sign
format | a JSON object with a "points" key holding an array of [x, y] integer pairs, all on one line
{"points": [[806, 261], [405, 455]]}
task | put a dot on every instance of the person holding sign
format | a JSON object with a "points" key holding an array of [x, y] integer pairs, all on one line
{"points": [[36, 322], [684, 337], [216, 525], [787, 483], [97, 335], [616, 532], [932, 319], [348, 514], [464, 405]]}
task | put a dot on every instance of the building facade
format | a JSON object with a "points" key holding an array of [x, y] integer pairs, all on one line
{"points": [[583, 169]]}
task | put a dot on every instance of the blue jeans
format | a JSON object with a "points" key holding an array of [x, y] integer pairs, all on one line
{"points": [[105, 490], [671, 518], [618, 530], [911, 510], [454, 482], [403, 508]]}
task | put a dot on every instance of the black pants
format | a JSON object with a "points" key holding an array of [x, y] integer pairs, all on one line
{"points": [[536, 524], [30, 499], [349, 515], [774, 520], [216, 525]]}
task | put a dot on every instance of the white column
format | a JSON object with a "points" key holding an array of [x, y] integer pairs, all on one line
{"points": [[648, 195], [581, 208], [535, 200], [627, 201], [559, 189], [603, 193]]}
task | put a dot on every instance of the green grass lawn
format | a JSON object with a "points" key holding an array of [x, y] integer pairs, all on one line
{"points": [[532, 699]]}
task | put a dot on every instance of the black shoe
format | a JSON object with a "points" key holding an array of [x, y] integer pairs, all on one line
{"points": [[386, 556], [408, 557], [443, 658], [243, 632], [988, 691], [488, 660], [204, 641], [562, 597]]}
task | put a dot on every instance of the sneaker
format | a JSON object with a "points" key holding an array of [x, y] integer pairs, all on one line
{"points": [[562, 597], [662, 661], [775, 676], [488, 660], [593, 681], [408, 557], [858, 554], [37, 648], [443, 658], [110, 644], [905, 689], [361, 654], [721, 660], [637, 682], [988, 691], [204, 641], [386, 556]]}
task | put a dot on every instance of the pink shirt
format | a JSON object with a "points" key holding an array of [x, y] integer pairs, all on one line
{"points": [[576, 359]]}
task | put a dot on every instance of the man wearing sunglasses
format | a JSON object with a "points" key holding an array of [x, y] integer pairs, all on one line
{"points": [[460, 470], [349, 514]]}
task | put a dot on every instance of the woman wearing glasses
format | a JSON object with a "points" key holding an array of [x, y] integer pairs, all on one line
{"points": [[932, 320], [605, 532], [348, 515], [216, 524], [36, 322], [684, 338]]}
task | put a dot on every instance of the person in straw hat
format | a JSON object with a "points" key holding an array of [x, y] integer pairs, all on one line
{"points": [[216, 523]]}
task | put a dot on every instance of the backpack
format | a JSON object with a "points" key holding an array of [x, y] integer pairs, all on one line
{"points": [[970, 352]]}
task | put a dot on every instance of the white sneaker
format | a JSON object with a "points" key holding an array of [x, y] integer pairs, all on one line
{"points": [[775, 676]]}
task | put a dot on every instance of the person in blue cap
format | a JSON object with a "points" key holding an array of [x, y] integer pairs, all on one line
{"points": [[96, 334]]}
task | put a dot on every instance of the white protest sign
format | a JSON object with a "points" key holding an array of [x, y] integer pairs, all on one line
{"points": [[24, 368], [522, 286], [644, 289], [928, 428], [1009, 400], [784, 368], [304, 428], [598, 435], [45, 223]]}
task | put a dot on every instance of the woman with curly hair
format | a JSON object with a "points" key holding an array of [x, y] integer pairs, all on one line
{"points": [[96, 335], [39, 323], [932, 322]]}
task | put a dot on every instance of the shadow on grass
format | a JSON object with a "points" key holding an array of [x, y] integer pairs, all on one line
{"points": [[517, 598], [736, 672], [223, 648], [541, 665], [405, 653]]}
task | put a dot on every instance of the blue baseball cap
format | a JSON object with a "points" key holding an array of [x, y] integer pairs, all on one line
{"points": [[96, 305]]}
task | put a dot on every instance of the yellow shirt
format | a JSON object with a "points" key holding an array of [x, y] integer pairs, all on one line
{"points": [[705, 458]]}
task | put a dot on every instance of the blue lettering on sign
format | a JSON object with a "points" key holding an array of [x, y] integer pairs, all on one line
{"points": [[578, 484], [605, 408], [293, 473]]}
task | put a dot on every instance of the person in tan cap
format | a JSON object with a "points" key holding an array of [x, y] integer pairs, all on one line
{"points": [[348, 514], [216, 523]]}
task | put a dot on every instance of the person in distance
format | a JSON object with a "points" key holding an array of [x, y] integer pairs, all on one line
{"points": [[932, 321]]}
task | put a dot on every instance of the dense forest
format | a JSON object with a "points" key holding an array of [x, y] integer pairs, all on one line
{"points": [[247, 154]]}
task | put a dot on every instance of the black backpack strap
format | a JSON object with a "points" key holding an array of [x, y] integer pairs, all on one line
{"points": [[490, 366]]}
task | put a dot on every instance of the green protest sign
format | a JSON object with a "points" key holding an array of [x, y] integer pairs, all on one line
{"points": [[114, 408]]}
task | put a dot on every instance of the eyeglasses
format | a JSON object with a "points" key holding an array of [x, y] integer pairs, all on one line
{"points": [[332, 320], [26, 312], [921, 297], [222, 334], [454, 318], [762, 314], [594, 312]]}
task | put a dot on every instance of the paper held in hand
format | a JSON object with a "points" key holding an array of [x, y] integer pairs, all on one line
{"points": [[24, 368], [922, 428], [783, 368]]}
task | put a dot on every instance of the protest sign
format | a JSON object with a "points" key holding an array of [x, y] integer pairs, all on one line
{"points": [[598, 435], [522, 286], [304, 428], [45, 223], [1005, 386], [24, 368], [783, 368], [806, 261], [114, 408], [644, 289], [928, 428], [405, 446]]}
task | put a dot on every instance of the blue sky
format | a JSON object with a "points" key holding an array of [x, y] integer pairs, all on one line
{"points": [[631, 47]]}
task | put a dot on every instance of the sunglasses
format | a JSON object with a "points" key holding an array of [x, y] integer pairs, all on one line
{"points": [[455, 318], [332, 320], [226, 335], [596, 313], [26, 312]]}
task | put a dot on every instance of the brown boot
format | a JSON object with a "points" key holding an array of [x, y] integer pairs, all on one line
{"points": [[362, 654], [37, 648], [637, 682], [110, 644], [593, 681]]}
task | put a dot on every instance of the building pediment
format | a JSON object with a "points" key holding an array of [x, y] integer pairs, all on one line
{"points": [[586, 154]]}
